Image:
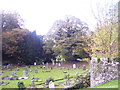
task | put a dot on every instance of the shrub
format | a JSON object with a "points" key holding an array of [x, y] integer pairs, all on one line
{"points": [[98, 60]]}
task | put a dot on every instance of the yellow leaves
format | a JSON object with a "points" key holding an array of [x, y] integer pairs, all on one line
{"points": [[102, 41]]}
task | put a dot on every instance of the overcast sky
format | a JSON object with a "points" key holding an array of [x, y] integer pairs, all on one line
{"points": [[40, 15]]}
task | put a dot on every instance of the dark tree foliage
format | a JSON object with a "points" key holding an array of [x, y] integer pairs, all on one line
{"points": [[31, 48]]}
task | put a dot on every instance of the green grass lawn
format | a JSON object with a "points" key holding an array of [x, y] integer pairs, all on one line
{"points": [[54, 73], [111, 84]]}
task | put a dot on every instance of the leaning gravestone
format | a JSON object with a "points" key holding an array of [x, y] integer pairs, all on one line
{"points": [[74, 66]]}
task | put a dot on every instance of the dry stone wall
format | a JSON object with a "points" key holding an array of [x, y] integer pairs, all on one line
{"points": [[102, 71]]}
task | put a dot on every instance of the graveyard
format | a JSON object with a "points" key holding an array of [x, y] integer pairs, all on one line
{"points": [[11, 77], [62, 75], [45, 47]]}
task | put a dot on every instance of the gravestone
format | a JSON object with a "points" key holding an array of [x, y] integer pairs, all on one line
{"points": [[56, 63], [26, 72], [84, 67], [8, 66], [59, 64], [23, 76], [17, 69], [14, 78], [47, 65], [74, 66], [36, 70], [13, 73], [33, 84], [77, 73], [26, 68], [67, 82], [34, 63], [53, 63], [43, 63], [51, 85]]}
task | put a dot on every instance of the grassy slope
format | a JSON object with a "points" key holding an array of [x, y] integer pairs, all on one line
{"points": [[55, 73]]}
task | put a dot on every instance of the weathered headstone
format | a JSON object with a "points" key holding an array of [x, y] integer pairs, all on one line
{"points": [[74, 66], [36, 70]]}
